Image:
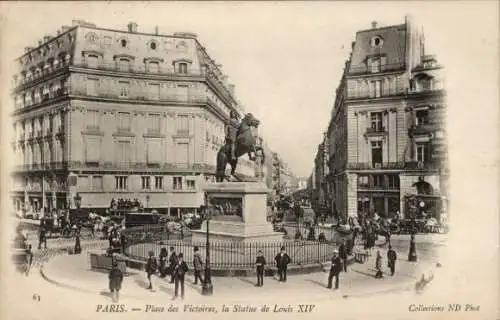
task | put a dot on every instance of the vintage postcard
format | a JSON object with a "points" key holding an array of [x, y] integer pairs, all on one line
{"points": [[271, 160]]}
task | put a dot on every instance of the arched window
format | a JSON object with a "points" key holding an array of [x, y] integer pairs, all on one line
{"points": [[123, 43]]}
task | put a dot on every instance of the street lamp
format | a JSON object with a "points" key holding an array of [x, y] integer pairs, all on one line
{"points": [[412, 254], [207, 288]]}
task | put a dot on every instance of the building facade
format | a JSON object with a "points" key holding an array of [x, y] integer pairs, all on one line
{"points": [[106, 114], [387, 132]]}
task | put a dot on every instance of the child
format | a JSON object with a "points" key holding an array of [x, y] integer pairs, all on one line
{"points": [[115, 281]]}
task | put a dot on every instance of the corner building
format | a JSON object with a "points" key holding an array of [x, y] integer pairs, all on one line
{"points": [[387, 128], [108, 114]]}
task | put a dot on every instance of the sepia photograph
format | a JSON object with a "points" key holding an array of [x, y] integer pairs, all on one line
{"points": [[238, 159]]}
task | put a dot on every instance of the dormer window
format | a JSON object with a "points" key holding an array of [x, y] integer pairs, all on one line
{"points": [[123, 43], [123, 62], [182, 66], [152, 64]]}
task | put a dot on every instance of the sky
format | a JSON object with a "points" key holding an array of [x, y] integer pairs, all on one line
{"points": [[285, 58]]}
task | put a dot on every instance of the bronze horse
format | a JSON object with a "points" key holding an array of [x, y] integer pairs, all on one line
{"points": [[245, 143]]}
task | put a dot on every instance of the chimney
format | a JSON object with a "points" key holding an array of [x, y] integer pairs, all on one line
{"points": [[156, 30], [374, 24], [40, 42], [132, 27], [27, 49], [47, 38]]}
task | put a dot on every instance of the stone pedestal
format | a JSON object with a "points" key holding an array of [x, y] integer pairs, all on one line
{"points": [[240, 210]]}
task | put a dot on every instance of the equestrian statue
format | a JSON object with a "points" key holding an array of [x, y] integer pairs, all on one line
{"points": [[239, 141]]}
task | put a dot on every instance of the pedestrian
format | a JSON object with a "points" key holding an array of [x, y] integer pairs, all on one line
{"points": [[282, 260], [151, 267], [42, 236], [198, 265], [179, 272], [115, 281], [335, 270], [29, 259], [163, 262], [343, 254], [378, 266], [391, 259], [78, 247], [173, 262], [260, 264]]}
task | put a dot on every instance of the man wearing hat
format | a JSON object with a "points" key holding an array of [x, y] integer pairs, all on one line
{"points": [[335, 270], [179, 272], [282, 260]]}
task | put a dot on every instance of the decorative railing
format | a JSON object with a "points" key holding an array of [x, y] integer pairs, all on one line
{"points": [[364, 68]]}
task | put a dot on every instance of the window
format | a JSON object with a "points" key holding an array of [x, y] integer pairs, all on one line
{"points": [[375, 89], [177, 183], [146, 183], [182, 153], [374, 64], [154, 91], [393, 181], [153, 45], [183, 125], [93, 120], [92, 61], [97, 182], [83, 182], [376, 121], [378, 181], [153, 66], [123, 43], [182, 67], [121, 183], [423, 151], [363, 182], [154, 123], [422, 117], [92, 85], [153, 156], [123, 153], [191, 184], [376, 153], [376, 41], [93, 150], [158, 182], [124, 65], [124, 88], [123, 122]]}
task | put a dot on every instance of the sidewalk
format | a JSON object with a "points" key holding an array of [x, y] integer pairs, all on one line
{"points": [[72, 272]]}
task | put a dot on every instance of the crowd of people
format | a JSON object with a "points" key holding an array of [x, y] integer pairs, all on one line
{"points": [[125, 204]]}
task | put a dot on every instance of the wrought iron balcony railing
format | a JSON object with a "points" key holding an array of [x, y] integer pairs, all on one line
{"points": [[364, 68]]}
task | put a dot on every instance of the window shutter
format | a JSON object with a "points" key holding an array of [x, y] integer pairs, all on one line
{"points": [[93, 149], [154, 149]]}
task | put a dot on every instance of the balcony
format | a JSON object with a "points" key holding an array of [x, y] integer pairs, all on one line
{"points": [[363, 69], [421, 129], [375, 131], [423, 165], [112, 66], [48, 72], [369, 165], [52, 97]]}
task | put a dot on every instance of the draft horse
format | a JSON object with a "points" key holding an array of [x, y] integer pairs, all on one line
{"points": [[245, 144]]}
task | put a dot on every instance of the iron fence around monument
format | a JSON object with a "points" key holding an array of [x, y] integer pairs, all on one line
{"points": [[139, 241], [231, 255]]}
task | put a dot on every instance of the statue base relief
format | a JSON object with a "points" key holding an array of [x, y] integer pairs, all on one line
{"points": [[239, 213]]}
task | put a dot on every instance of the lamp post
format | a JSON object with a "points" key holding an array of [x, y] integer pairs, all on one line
{"points": [[147, 201], [412, 254], [207, 288]]}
